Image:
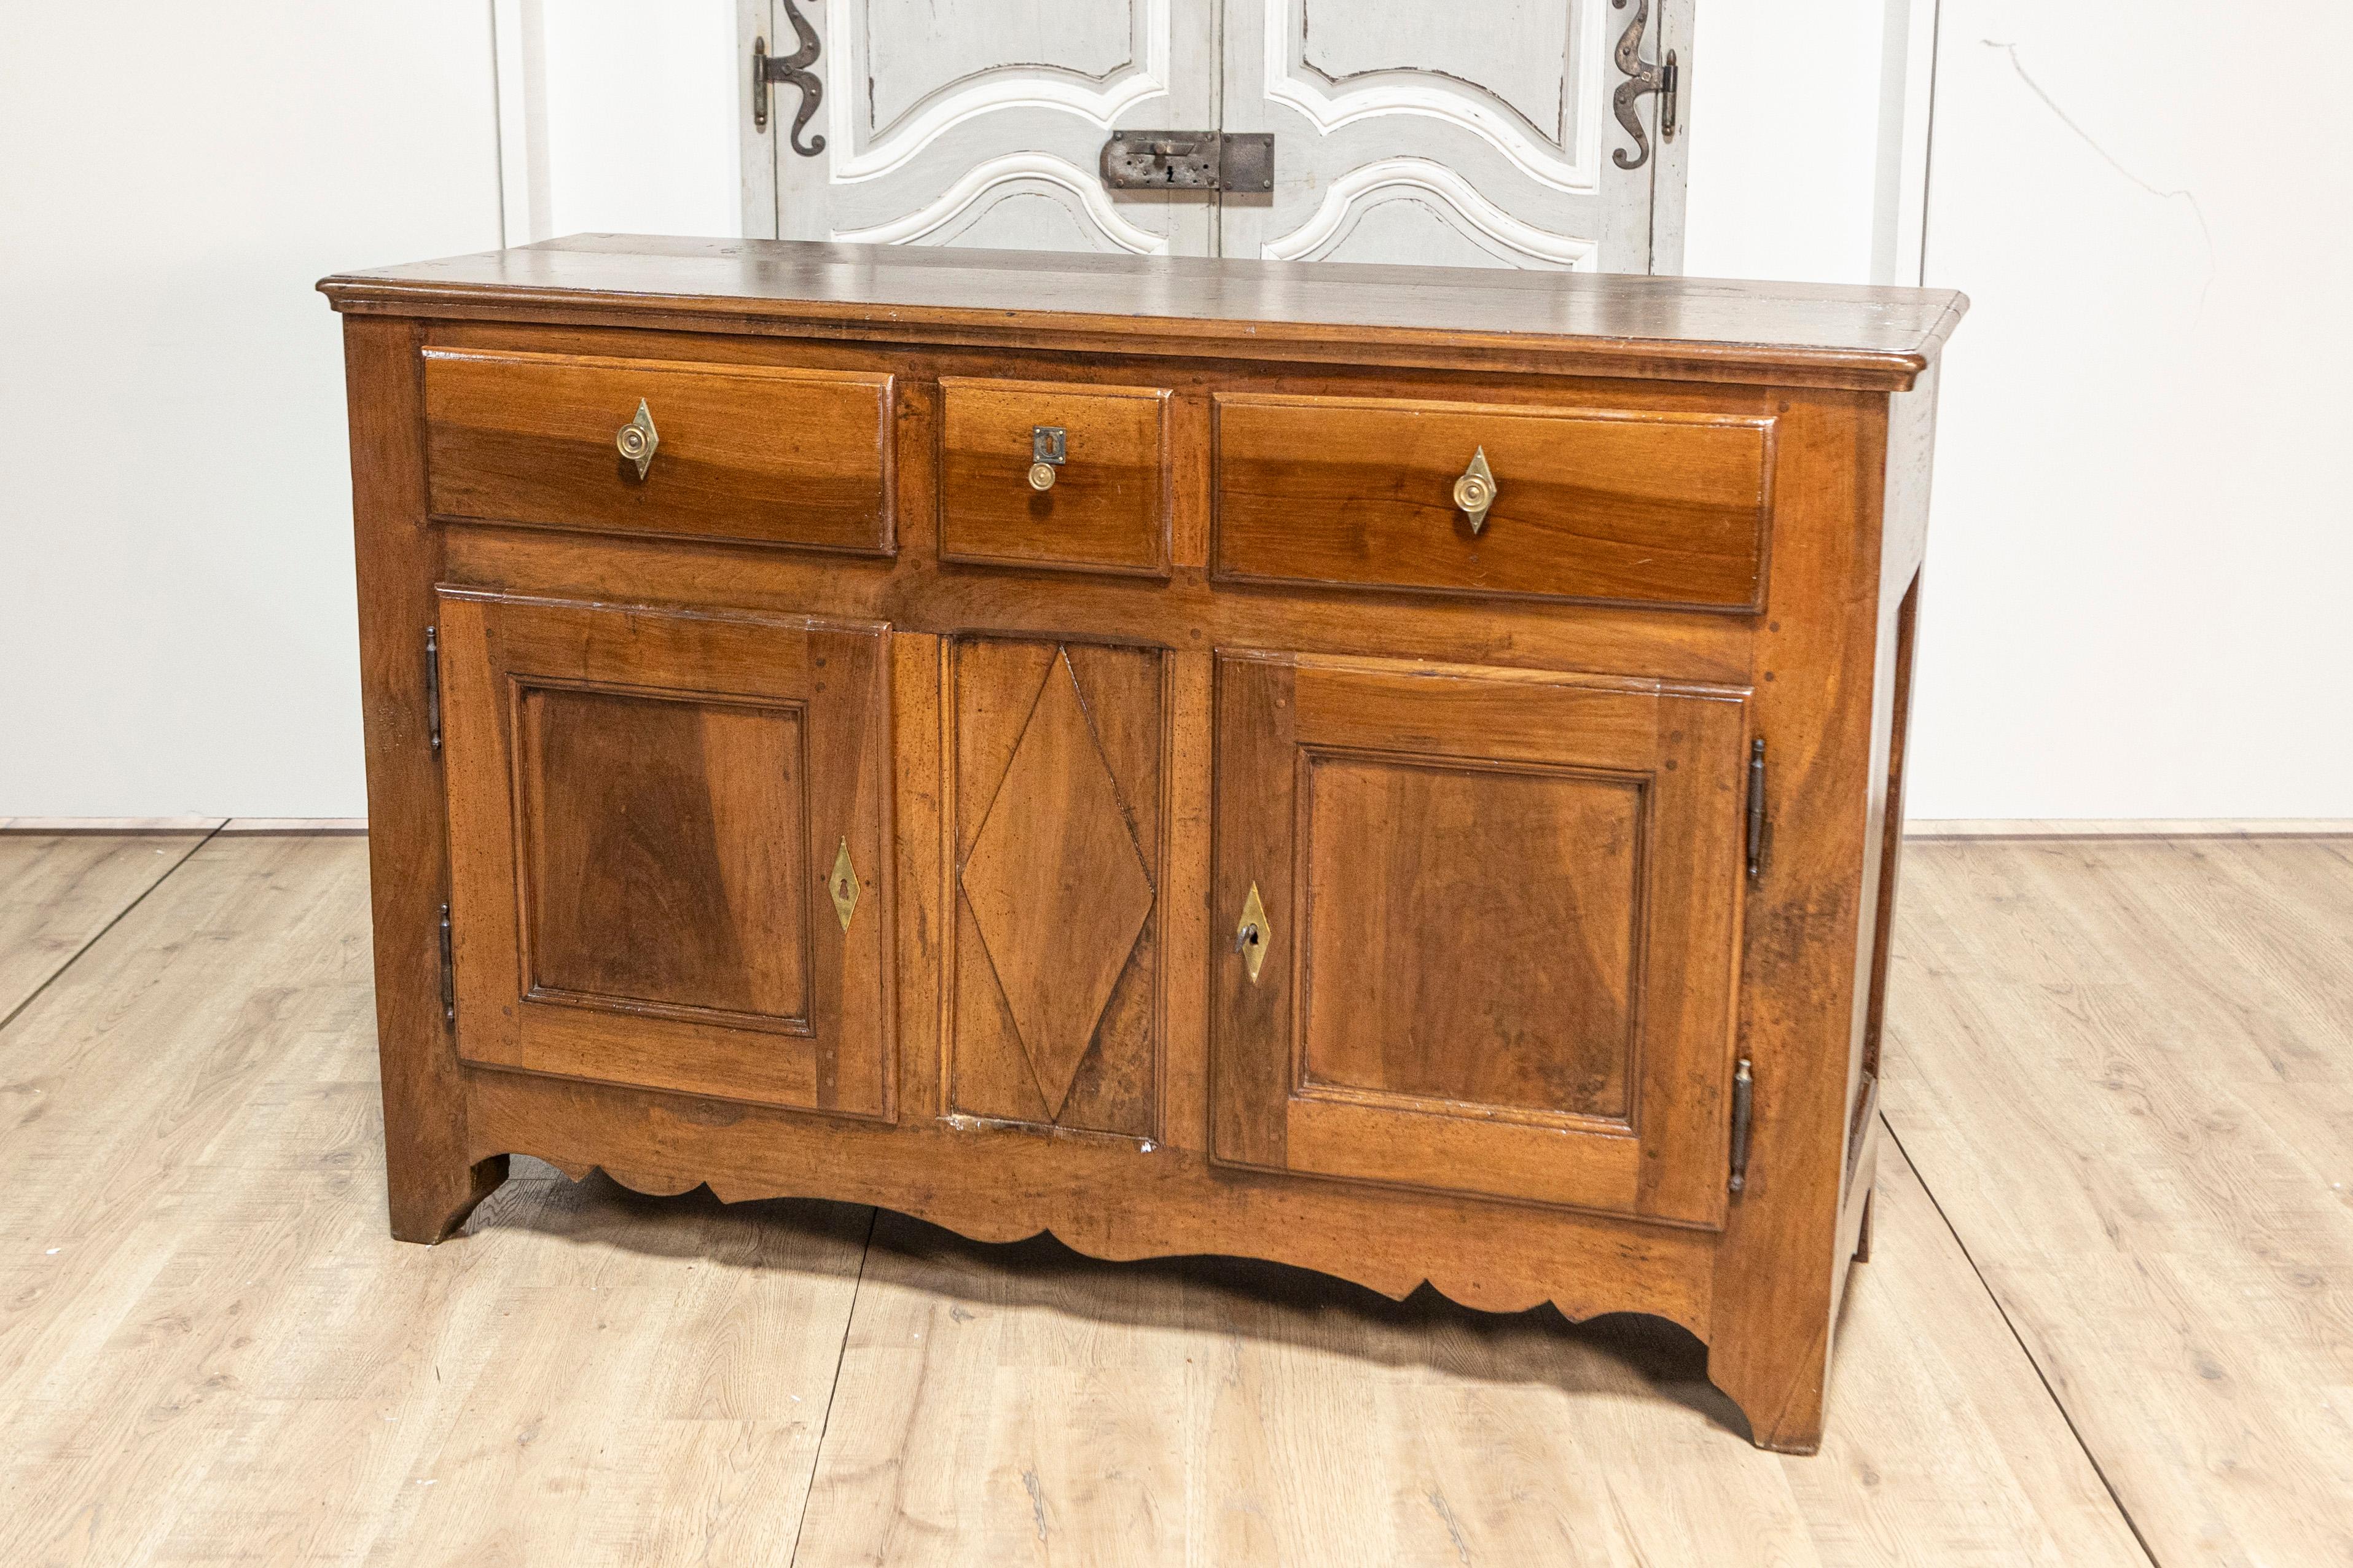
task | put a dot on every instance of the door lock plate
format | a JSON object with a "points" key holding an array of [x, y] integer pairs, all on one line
{"points": [[1189, 160]]}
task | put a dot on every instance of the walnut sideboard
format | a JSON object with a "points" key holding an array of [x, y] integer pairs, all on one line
{"points": [[1395, 771]]}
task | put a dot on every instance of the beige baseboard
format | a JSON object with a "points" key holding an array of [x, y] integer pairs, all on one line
{"points": [[183, 824], [110, 823], [2134, 827]]}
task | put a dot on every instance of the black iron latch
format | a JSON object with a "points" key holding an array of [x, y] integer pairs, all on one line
{"points": [[1756, 807], [433, 688], [1189, 160], [1744, 1106], [449, 971]]}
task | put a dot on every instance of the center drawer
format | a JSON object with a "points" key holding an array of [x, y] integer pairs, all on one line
{"points": [[1638, 507]]}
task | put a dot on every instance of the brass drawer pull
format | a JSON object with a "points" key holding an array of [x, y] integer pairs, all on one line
{"points": [[1474, 492], [635, 440]]}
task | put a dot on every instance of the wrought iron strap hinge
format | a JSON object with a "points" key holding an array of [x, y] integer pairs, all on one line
{"points": [[1757, 806], [794, 70], [1664, 78], [433, 689], [449, 971], [1744, 1105]]}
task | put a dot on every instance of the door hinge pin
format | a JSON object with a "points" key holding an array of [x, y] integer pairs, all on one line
{"points": [[1756, 806], [433, 687], [1743, 1095], [448, 973]]}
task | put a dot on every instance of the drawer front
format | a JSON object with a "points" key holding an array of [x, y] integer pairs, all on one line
{"points": [[1650, 508], [1104, 508], [747, 453]]}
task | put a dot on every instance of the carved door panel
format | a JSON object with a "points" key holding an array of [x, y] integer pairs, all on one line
{"points": [[1475, 133], [981, 123], [1055, 966], [664, 834], [1492, 945], [1483, 133]]}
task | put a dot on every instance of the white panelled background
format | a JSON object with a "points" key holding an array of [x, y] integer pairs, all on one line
{"points": [[2139, 536]]}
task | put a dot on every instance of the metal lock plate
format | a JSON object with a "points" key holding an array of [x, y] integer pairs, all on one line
{"points": [[1189, 160]]}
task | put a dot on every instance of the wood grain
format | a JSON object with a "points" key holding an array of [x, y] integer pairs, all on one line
{"points": [[1576, 324], [1511, 1167], [1058, 996], [769, 454], [1015, 1405], [646, 810], [58, 890], [1461, 869], [398, 560], [1602, 506], [1108, 507], [211, 1352], [2127, 1069]]}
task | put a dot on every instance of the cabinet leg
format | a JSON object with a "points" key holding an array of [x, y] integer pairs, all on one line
{"points": [[429, 1201], [1863, 1236], [1778, 1372]]}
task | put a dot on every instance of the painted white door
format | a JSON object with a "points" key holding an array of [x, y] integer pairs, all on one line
{"points": [[981, 123], [1479, 132], [1469, 133]]}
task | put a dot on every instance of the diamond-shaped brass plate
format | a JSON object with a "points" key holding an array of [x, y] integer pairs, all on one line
{"points": [[1250, 934], [842, 886]]}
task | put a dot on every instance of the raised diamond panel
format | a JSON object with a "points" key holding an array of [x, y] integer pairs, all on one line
{"points": [[1057, 888]]}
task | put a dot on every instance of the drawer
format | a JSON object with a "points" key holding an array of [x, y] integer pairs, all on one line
{"points": [[749, 453], [1105, 505], [1640, 507]]}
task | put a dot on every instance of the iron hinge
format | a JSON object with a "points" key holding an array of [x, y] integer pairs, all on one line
{"points": [[433, 688], [448, 973], [1743, 1101], [1755, 807], [792, 70], [1663, 77], [1189, 160]]}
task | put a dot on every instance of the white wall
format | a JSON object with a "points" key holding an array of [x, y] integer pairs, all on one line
{"points": [[177, 623], [619, 116], [2138, 533], [2142, 534], [1790, 106]]}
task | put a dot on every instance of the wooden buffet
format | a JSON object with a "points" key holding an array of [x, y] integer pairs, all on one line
{"points": [[1394, 772]]}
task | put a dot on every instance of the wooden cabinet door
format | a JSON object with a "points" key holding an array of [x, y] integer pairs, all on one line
{"points": [[1500, 918], [667, 833]]}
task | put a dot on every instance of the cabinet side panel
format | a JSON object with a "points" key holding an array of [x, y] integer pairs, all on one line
{"points": [[431, 1185], [1805, 958]]}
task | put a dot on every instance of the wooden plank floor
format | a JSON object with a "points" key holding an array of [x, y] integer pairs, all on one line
{"points": [[2108, 1309], [58, 891]]}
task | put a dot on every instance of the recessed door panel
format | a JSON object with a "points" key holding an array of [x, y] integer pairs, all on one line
{"points": [[1494, 930], [666, 832], [981, 123], [1058, 764], [1482, 133]]}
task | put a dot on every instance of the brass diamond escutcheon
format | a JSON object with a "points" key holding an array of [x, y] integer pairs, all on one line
{"points": [[842, 886], [1056, 885]]}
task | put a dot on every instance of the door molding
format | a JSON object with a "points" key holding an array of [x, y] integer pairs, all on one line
{"points": [[1009, 175], [1572, 164], [1459, 206]]}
